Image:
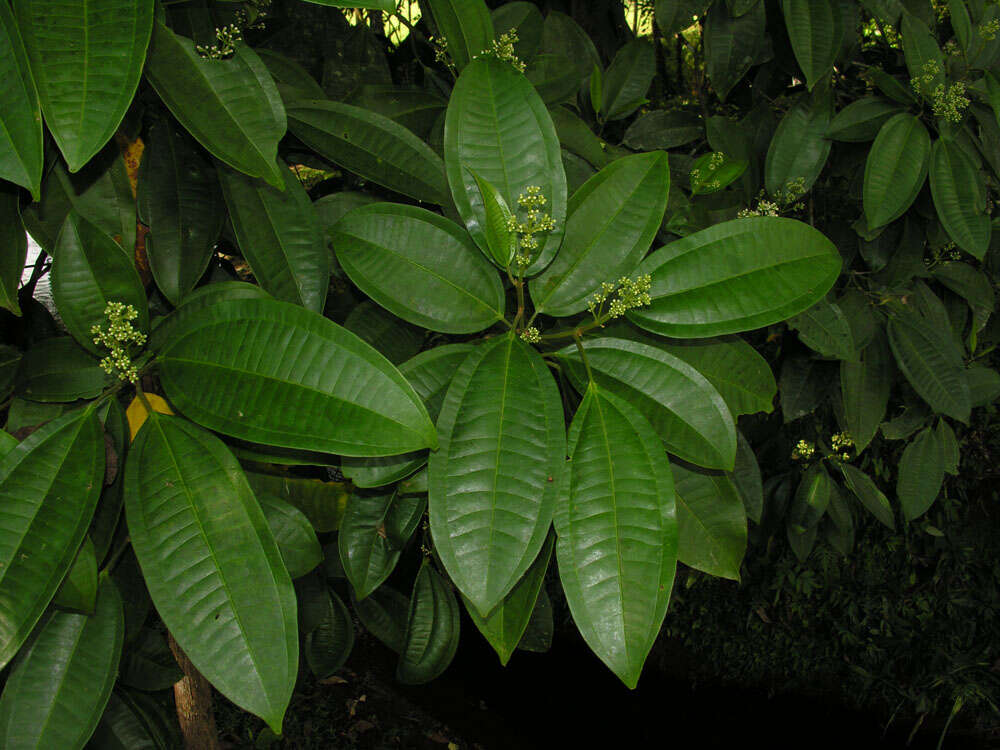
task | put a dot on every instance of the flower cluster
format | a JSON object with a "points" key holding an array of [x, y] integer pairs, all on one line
{"points": [[930, 71], [699, 175], [764, 208], [119, 335], [537, 222], [530, 335], [989, 30], [440, 49], [793, 190], [621, 297], [503, 49], [803, 451], [842, 445], [227, 37], [949, 102]]}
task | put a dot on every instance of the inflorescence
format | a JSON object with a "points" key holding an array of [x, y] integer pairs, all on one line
{"points": [[537, 222], [120, 334], [620, 297]]}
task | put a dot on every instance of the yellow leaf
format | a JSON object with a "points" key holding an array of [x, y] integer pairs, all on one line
{"points": [[136, 412]]}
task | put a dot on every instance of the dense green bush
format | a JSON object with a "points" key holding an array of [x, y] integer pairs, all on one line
{"points": [[457, 311]]}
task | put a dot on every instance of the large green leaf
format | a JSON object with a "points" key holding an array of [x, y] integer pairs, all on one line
{"points": [[89, 271], [13, 246], [825, 329], [274, 373], [811, 499], [414, 108], [49, 485], [58, 688], [921, 473], [896, 169], [383, 613], [493, 480], [179, 200], [711, 522], [924, 59], [57, 369], [627, 80], [861, 120], [611, 222], [747, 479], [328, 645], [78, 590], [932, 362], [293, 534], [959, 198], [20, 113], [684, 409], [732, 45], [870, 496], [419, 266], [506, 624], [735, 276], [466, 26], [497, 127], [432, 627], [816, 31], [500, 225], [799, 149], [393, 338], [279, 234], [323, 503], [661, 129], [370, 537], [211, 565], [617, 531], [86, 59], [230, 106], [864, 388], [371, 145]]}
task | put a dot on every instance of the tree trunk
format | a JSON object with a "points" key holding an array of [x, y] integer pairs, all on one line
{"points": [[193, 696]]}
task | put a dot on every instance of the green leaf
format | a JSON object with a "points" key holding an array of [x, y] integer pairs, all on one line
{"points": [[576, 137], [91, 270], [864, 388], [430, 373], [498, 128], [715, 171], [506, 624], [732, 45], [180, 201], [78, 591], [230, 106], [896, 169], [419, 266], [861, 120], [617, 532], [466, 26], [870, 496], [747, 480], [293, 534], [537, 636], [524, 18], [57, 369], [683, 408], [58, 688], [932, 363], [972, 284], [611, 222], [393, 338], [892, 87], [984, 385], [287, 72], [493, 480], [193, 517], [960, 22], [711, 523], [279, 234], [824, 329], [950, 449], [49, 485], [736, 276], [553, 77], [627, 80], [277, 374], [924, 60], [368, 552], [20, 112], [13, 244], [501, 240], [383, 614], [921, 473], [958, 198], [673, 16], [816, 31], [566, 40], [663, 129], [372, 146], [328, 645], [804, 382], [125, 725], [432, 626], [149, 664], [799, 149], [86, 59], [801, 542], [811, 499]]}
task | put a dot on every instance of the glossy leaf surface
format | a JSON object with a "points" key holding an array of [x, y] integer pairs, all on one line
{"points": [[293, 534], [432, 627], [896, 169], [711, 523], [20, 111], [958, 198], [466, 26], [921, 473]]}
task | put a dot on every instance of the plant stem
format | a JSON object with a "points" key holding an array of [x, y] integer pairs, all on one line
{"points": [[583, 354], [575, 332]]}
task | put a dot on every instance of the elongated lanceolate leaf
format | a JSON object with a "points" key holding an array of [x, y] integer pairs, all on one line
{"points": [[501, 239], [799, 149], [732, 45], [49, 485], [493, 480], [736, 276], [91, 270], [328, 645], [432, 627], [811, 499], [420, 266], [684, 409], [816, 31], [370, 145], [617, 532], [211, 565], [498, 128], [824, 329], [230, 106], [870, 496], [711, 523], [13, 246], [627, 80], [57, 369], [864, 387], [861, 120], [932, 362], [86, 59], [921, 473], [279, 234], [58, 688], [293, 534], [611, 222], [896, 169], [958, 198], [466, 26], [274, 373], [368, 552], [20, 111], [179, 200]]}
